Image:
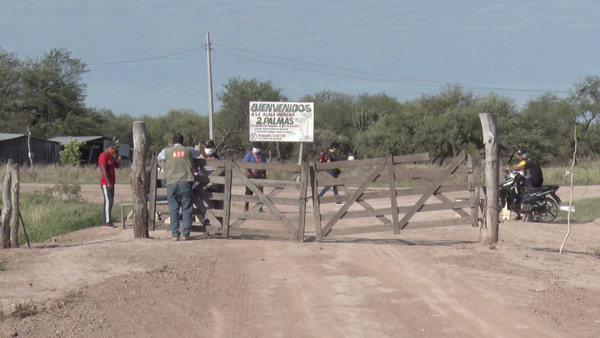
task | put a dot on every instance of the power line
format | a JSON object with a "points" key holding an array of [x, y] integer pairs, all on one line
{"points": [[145, 59], [392, 78], [306, 69]]}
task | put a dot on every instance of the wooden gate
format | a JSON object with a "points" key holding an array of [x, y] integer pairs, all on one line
{"points": [[223, 191], [278, 203], [370, 191], [382, 194]]}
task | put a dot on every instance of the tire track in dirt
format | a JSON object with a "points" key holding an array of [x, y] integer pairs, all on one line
{"points": [[454, 301]]}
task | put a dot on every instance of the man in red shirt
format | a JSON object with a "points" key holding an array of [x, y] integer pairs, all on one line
{"points": [[107, 162]]}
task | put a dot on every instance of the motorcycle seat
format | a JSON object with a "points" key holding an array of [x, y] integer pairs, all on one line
{"points": [[543, 188], [531, 190]]}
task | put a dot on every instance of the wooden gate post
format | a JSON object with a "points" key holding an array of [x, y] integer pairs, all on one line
{"points": [[6, 208], [14, 218], [152, 193], [489, 229], [138, 181]]}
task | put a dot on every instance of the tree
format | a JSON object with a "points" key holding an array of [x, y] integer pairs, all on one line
{"points": [[546, 126], [10, 91], [72, 153], [447, 122], [231, 121], [391, 134], [333, 111], [119, 126], [53, 89], [41, 93], [10, 86], [586, 94], [368, 109], [586, 102]]}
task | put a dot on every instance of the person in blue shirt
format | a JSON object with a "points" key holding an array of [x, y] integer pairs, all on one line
{"points": [[255, 156]]}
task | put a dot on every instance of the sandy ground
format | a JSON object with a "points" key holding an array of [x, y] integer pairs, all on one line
{"points": [[422, 283]]}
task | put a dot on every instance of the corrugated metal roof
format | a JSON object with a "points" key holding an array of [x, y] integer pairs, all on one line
{"points": [[63, 140], [8, 136]]}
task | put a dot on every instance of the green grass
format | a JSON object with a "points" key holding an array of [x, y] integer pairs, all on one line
{"points": [[66, 174], [46, 215], [582, 175], [2, 265], [586, 210]]}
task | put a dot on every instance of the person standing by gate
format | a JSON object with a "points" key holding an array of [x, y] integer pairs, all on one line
{"points": [[330, 157], [255, 156], [107, 162], [179, 172], [209, 152]]}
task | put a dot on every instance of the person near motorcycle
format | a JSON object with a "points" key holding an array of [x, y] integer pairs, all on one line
{"points": [[521, 165], [536, 177], [532, 169], [528, 196], [532, 172]]}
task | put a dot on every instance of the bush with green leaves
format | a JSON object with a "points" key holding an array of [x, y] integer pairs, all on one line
{"points": [[72, 153]]}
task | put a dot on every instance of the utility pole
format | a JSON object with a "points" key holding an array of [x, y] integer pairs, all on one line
{"points": [[210, 96]]}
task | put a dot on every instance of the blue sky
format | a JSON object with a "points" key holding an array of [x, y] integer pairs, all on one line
{"points": [[147, 57]]}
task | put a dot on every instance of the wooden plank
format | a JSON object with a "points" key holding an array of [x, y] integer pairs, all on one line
{"points": [[447, 201], [371, 212], [267, 183], [266, 216], [431, 189], [152, 192], [392, 192], [316, 203], [271, 166], [237, 172], [437, 207], [438, 223], [411, 158], [227, 199], [302, 208], [377, 213], [473, 192], [260, 233], [381, 212], [355, 195], [360, 230]]}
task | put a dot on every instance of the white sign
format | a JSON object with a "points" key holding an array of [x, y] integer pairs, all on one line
{"points": [[281, 121]]}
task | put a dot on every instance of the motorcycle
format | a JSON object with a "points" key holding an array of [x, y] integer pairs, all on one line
{"points": [[537, 204]]}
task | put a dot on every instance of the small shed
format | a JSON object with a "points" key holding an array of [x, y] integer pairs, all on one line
{"points": [[95, 145], [17, 147]]}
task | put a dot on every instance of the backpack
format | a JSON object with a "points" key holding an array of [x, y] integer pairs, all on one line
{"points": [[322, 158]]}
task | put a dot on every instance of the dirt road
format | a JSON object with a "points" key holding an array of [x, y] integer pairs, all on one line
{"points": [[429, 283]]}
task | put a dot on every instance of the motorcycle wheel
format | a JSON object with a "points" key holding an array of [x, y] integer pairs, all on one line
{"points": [[549, 210]]}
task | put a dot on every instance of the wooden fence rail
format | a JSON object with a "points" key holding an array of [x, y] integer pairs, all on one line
{"points": [[382, 194]]}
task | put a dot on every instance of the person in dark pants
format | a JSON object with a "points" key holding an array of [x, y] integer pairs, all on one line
{"points": [[107, 162], [255, 156], [179, 172], [330, 157]]}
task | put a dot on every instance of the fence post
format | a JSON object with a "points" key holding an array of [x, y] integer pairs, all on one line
{"points": [[393, 199], [14, 218], [6, 209], [152, 191], [489, 229], [138, 181]]}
